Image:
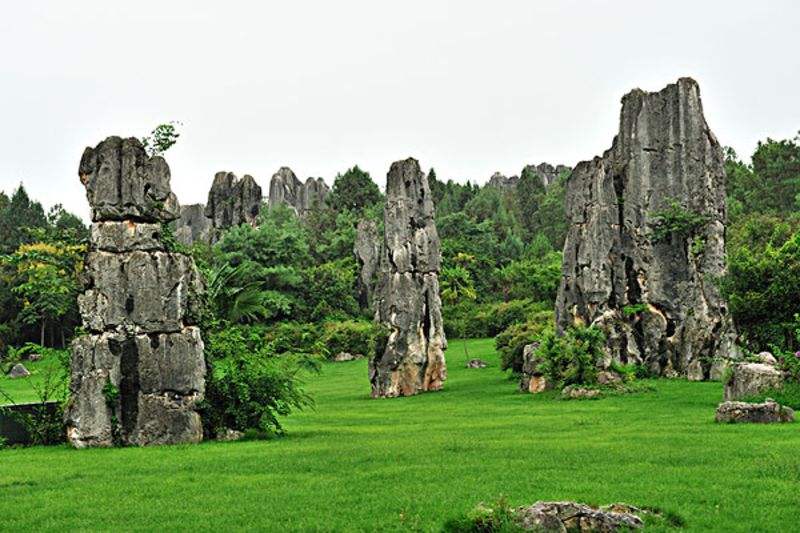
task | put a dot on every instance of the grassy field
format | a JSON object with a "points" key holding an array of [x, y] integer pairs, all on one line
{"points": [[355, 464], [25, 390]]}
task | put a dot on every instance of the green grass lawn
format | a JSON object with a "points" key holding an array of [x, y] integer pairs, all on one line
{"points": [[356, 464], [24, 390]]}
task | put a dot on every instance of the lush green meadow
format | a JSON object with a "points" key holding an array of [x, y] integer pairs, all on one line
{"points": [[356, 464]]}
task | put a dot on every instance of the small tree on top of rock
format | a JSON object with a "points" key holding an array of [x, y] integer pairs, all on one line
{"points": [[162, 138]]}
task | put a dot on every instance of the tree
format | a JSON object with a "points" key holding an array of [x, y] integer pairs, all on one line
{"points": [[162, 138], [47, 282], [354, 191], [777, 165], [19, 216], [528, 196]]}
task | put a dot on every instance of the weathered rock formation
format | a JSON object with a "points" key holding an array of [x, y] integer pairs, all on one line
{"points": [[547, 172], [500, 181], [751, 379], [193, 225], [139, 371], [407, 293], [654, 296], [232, 202], [759, 413], [367, 252], [285, 188]]}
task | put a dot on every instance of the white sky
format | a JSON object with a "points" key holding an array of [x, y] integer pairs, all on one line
{"points": [[468, 87]]}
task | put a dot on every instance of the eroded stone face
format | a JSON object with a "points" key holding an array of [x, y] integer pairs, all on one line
{"points": [[367, 252], [124, 183], [139, 371], [655, 299], [145, 291], [193, 225], [407, 293], [751, 379]]}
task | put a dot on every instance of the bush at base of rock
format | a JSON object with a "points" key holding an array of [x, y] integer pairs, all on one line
{"points": [[357, 337], [249, 385], [512, 341]]}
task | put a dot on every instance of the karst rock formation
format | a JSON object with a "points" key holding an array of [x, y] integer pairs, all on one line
{"points": [[286, 189], [232, 202], [367, 253], [193, 225], [138, 372], [407, 299], [654, 296]]}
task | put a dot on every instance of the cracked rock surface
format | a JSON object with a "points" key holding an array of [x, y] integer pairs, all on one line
{"points": [[139, 371], [407, 299], [655, 298], [232, 202]]}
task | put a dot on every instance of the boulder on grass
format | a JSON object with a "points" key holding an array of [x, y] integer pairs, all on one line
{"points": [[572, 516], [476, 363], [342, 357], [18, 371], [760, 413], [533, 378], [751, 379]]}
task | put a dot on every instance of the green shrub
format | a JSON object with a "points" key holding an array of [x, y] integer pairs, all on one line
{"points": [[572, 358], [676, 219], [248, 385], [352, 336], [511, 342], [294, 337], [471, 320], [497, 518]]}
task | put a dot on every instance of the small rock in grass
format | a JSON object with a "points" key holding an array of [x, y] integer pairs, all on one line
{"points": [[19, 371], [760, 413], [230, 435], [35, 357], [575, 392], [341, 357], [476, 363]]}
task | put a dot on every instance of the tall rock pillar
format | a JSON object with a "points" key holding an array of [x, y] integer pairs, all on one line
{"points": [[646, 277], [407, 297], [138, 372]]}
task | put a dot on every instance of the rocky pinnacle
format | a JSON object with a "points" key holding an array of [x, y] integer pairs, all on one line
{"points": [[407, 297], [138, 371], [645, 277]]}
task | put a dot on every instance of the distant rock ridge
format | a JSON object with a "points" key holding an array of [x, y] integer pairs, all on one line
{"points": [[646, 281], [546, 171], [193, 225], [286, 189]]}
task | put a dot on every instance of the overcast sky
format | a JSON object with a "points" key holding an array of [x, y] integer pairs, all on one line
{"points": [[468, 87]]}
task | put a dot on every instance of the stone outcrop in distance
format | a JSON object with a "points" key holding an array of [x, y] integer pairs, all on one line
{"points": [[286, 189], [367, 253], [232, 202], [193, 225]]}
